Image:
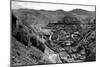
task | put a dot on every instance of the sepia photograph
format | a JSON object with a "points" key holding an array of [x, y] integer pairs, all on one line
{"points": [[44, 33]]}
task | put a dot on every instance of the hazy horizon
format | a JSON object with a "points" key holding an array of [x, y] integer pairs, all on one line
{"points": [[48, 6]]}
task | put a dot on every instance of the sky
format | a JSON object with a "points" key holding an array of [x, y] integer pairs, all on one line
{"points": [[48, 6]]}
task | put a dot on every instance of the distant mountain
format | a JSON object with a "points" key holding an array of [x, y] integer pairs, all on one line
{"points": [[83, 12]]}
